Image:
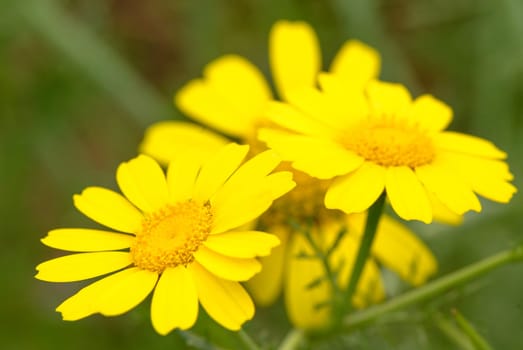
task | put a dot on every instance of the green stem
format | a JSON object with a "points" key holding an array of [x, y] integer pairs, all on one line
{"points": [[450, 330], [292, 340], [371, 226], [247, 341], [434, 288], [479, 342]]}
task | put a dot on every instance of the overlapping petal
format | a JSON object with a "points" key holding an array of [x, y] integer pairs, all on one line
{"points": [[406, 194], [217, 170], [355, 192], [226, 267], [142, 181], [317, 157], [225, 301], [242, 244], [86, 240], [78, 267], [230, 97], [266, 286], [175, 301], [169, 140], [109, 209]]}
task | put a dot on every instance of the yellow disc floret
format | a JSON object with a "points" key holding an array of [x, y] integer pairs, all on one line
{"points": [[169, 237], [390, 143]]}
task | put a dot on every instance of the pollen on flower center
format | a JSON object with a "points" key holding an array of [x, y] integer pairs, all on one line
{"points": [[169, 237], [390, 144]]}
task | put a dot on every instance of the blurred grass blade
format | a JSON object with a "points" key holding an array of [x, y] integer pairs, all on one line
{"points": [[479, 342], [96, 60]]}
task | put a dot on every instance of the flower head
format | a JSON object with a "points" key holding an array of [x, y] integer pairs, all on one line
{"points": [[379, 139], [178, 235], [232, 97]]}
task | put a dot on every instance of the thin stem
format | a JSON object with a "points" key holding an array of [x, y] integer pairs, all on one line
{"points": [[477, 339], [450, 330], [292, 340], [434, 288], [371, 226], [247, 341]]}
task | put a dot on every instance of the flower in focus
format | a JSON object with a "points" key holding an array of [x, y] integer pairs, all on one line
{"points": [[177, 235], [232, 98], [379, 139]]}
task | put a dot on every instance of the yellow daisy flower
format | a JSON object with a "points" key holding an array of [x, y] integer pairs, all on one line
{"points": [[379, 139], [232, 98], [178, 235]]}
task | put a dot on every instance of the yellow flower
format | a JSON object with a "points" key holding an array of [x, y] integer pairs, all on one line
{"points": [[232, 98], [379, 139], [233, 94], [178, 236]]}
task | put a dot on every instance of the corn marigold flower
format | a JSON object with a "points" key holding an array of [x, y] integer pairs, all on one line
{"points": [[177, 235], [379, 139], [232, 98]]}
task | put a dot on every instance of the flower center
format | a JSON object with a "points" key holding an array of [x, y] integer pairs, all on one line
{"points": [[390, 144], [170, 236]]}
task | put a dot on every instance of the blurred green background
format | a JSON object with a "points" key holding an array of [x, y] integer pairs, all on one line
{"points": [[80, 80]]}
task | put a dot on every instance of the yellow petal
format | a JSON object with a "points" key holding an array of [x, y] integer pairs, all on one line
{"points": [[225, 301], [317, 157], [266, 286], [86, 240], [357, 63], [175, 301], [468, 144], [111, 296], [252, 170], [402, 251], [487, 177], [430, 113], [237, 205], [81, 304], [291, 118], [335, 111], [450, 190], [294, 54], [303, 303], [406, 194], [246, 244], [230, 98], [388, 98], [78, 267], [181, 177], [217, 170], [142, 181], [232, 269], [168, 140], [124, 290], [443, 214], [357, 191], [109, 209]]}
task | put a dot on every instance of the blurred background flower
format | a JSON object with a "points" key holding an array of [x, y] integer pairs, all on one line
{"points": [[81, 80]]}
